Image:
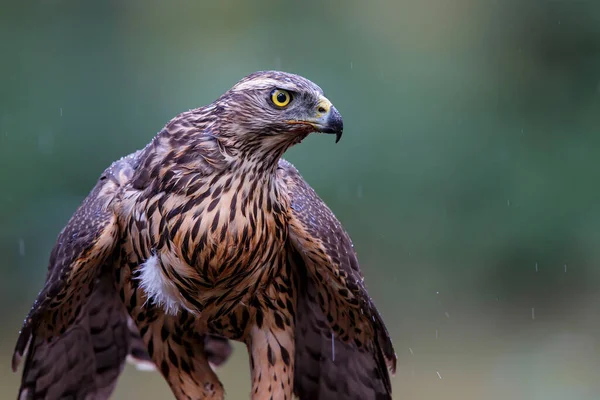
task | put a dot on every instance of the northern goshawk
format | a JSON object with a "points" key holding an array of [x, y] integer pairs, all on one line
{"points": [[208, 235]]}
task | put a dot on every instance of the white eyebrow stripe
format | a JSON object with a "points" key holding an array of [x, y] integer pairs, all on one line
{"points": [[262, 83]]}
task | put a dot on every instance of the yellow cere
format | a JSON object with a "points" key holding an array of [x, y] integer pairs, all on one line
{"points": [[281, 98], [323, 107]]}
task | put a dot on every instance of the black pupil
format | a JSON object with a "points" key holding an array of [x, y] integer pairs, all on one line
{"points": [[281, 97]]}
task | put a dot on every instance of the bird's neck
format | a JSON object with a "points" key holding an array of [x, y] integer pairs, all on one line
{"points": [[259, 153], [189, 144]]}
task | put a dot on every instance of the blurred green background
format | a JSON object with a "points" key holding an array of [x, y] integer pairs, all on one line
{"points": [[468, 174]]}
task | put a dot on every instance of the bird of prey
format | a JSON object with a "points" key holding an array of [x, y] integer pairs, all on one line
{"points": [[207, 235]]}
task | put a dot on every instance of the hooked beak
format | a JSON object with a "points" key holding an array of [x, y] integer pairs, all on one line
{"points": [[327, 119]]}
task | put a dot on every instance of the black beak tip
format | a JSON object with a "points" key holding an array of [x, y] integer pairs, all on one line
{"points": [[335, 124], [334, 128], [338, 136]]}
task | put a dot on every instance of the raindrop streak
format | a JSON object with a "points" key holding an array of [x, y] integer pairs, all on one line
{"points": [[438, 374], [411, 352], [533, 313], [436, 334], [332, 347], [351, 65], [536, 267], [447, 314], [60, 111], [21, 247], [565, 268]]}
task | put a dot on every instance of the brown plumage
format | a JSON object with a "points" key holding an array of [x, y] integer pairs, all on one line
{"points": [[206, 235]]}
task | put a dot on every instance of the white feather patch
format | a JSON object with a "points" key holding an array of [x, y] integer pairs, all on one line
{"points": [[141, 365], [159, 289]]}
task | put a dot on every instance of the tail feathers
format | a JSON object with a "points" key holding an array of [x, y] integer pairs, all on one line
{"points": [[217, 349]]}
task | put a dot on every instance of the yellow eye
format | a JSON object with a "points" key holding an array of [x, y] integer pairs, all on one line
{"points": [[280, 98]]}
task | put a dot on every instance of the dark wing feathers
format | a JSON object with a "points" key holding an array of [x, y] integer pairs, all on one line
{"points": [[138, 353], [333, 302], [76, 330], [333, 369], [87, 358]]}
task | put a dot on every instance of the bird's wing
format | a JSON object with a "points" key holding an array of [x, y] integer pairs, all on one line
{"points": [[343, 349], [87, 358], [76, 333]]}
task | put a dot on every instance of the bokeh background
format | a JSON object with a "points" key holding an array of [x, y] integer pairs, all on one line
{"points": [[468, 174]]}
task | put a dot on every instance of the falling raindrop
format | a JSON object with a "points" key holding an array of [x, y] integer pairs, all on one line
{"points": [[332, 347], [438, 374], [533, 313], [21, 247]]}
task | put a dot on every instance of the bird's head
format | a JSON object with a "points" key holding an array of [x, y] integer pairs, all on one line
{"points": [[273, 109]]}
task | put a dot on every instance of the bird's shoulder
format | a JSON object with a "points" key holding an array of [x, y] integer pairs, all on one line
{"points": [[316, 218], [97, 210], [185, 150]]}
